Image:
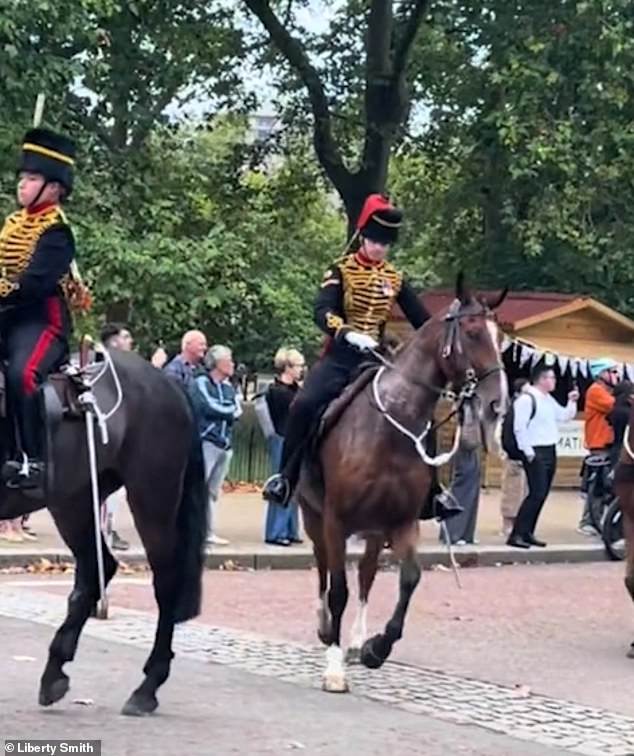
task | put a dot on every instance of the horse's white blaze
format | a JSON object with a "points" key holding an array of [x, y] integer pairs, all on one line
{"points": [[359, 631], [494, 334], [335, 676]]}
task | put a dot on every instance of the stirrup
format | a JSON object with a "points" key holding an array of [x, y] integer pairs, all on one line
{"points": [[277, 489], [446, 505]]}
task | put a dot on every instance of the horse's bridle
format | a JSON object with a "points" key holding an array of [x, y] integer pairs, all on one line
{"points": [[467, 392], [453, 342]]}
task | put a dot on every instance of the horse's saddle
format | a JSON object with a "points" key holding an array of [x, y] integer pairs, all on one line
{"points": [[64, 387], [338, 406]]}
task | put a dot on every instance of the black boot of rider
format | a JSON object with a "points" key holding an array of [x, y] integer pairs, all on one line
{"points": [[446, 505], [25, 477]]}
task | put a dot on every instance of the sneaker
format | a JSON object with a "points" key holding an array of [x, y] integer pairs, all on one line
{"points": [[587, 530], [118, 543], [11, 536], [214, 540]]}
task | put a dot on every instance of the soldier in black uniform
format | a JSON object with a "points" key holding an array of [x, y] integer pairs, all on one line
{"points": [[36, 250], [352, 308]]}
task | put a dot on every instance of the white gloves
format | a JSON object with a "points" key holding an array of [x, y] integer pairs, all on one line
{"points": [[361, 340]]}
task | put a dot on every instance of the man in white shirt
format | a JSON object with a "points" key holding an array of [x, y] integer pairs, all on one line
{"points": [[537, 415]]}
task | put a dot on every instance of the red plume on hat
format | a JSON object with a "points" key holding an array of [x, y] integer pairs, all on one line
{"points": [[379, 220]]}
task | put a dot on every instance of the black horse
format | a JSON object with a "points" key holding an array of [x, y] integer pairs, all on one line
{"points": [[153, 450]]}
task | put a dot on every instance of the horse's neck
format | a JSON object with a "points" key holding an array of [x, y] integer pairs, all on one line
{"points": [[411, 388]]}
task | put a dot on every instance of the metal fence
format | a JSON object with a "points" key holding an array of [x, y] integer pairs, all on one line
{"points": [[250, 462]]}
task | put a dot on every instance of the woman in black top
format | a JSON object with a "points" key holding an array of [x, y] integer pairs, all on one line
{"points": [[282, 523]]}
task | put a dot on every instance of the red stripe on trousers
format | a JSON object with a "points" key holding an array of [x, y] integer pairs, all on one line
{"points": [[54, 328]]}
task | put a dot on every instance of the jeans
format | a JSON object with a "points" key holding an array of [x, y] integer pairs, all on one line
{"points": [[217, 463], [282, 523]]}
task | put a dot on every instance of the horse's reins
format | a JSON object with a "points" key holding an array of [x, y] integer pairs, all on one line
{"points": [[466, 393]]}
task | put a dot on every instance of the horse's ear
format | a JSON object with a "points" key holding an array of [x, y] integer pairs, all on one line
{"points": [[494, 302], [461, 293]]}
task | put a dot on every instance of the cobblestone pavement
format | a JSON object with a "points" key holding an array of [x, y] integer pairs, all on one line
{"points": [[215, 710], [561, 630], [550, 722]]}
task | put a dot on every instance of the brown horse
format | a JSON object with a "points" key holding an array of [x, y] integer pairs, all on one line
{"points": [[375, 473], [624, 489]]}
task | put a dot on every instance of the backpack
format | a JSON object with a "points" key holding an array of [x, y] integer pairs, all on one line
{"points": [[509, 442]]}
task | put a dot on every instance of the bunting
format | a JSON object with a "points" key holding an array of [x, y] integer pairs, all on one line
{"points": [[524, 353]]}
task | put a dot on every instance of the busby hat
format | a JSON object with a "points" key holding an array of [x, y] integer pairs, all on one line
{"points": [[51, 154], [379, 220]]}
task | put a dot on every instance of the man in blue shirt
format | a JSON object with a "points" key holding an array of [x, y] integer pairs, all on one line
{"points": [[184, 366], [217, 407]]}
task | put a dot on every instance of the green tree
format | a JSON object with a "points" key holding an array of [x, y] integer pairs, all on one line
{"points": [[355, 80], [527, 152]]}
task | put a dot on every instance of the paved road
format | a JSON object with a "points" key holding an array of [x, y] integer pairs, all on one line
{"points": [[213, 709], [534, 654]]}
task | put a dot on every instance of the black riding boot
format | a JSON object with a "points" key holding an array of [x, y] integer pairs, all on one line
{"points": [[279, 487], [29, 474]]}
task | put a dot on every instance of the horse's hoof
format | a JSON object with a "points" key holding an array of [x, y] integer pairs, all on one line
{"points": [[50, 694], [334, 684], [630, 652], [353, 655], [324, 637], [139, 705], [369, 658]]}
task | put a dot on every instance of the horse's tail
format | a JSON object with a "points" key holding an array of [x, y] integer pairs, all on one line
{"points": [[192, 532]]}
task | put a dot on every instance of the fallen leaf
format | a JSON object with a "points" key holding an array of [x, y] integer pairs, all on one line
{"points": [[295, 745], [83, 701], [24, 658]]}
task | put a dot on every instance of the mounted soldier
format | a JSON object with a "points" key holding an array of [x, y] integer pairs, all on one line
{"points": [[352, 308], [36, 251]]}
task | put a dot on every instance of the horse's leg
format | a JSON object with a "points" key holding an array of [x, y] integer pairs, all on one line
{"points": [[75, 523], [154, 504], [313, 525], [377, 649], [627, 508], [334, 680], [367, 572]]}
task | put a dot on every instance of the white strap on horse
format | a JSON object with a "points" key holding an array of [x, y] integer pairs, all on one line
{"points": [[626, 443], [438, 461], [89, 399], [93, 411], [418, 441]]}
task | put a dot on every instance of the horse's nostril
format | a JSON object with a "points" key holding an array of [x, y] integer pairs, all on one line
{"points": [[496, 407]]}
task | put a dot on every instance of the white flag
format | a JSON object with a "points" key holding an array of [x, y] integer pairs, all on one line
{"points": [[550, 359], [536, 357], [525, 355], [629, 371], [506, 343], [563, 361], [574, 367], [583, 368]]}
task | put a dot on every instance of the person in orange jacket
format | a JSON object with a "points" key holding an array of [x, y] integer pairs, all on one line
{"points": [[598, 431]]}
